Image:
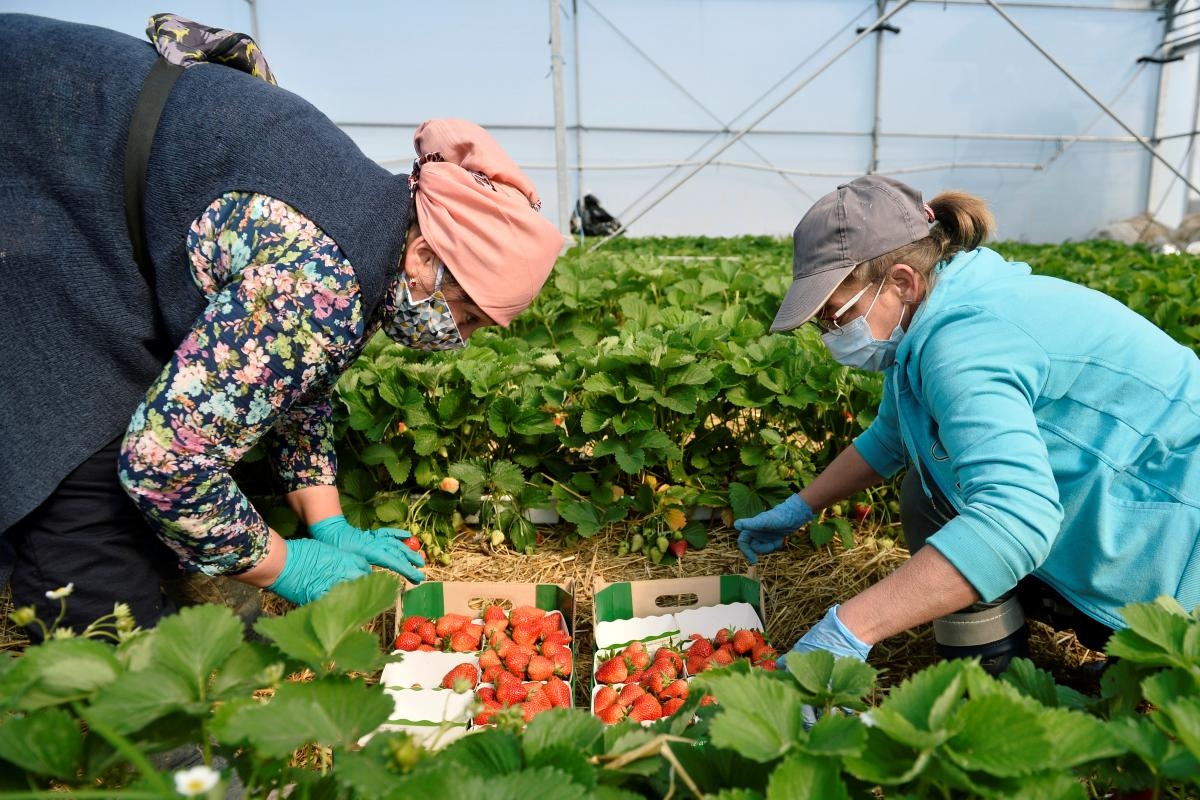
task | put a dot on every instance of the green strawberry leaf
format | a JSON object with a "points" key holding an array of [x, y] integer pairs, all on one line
{"points": [[802, 777], [45, 742], [759, 716], [194, 642], [562, 727], [329, 711]]}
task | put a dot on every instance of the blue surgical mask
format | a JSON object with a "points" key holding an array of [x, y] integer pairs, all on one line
{"points": [[854, 345], [424, 324]]}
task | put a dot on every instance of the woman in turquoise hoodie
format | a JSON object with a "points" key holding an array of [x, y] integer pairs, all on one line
{"points": [[1051, 435]]}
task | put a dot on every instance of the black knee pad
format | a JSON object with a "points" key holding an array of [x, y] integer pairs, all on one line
{"points": [[995, 633]]}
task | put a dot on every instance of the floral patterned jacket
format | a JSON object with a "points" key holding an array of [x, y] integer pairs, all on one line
{"points": [[283, 321]]}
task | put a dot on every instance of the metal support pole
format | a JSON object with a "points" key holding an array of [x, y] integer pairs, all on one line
{"points": [[254, 22], [1140, 139], [867, 31], [578, 113], [873, 166], [560, 127], [1157, 112], [1190, 198]]}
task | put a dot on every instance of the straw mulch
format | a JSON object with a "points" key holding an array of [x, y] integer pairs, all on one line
{"points": [[799, 584]]}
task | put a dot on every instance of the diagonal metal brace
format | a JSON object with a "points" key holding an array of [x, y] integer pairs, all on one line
{"points": [[1142, 140]]}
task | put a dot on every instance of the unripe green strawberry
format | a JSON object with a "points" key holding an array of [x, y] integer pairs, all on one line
{"points": [[663, 543]]}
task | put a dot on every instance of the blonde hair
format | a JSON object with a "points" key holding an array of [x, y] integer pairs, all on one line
{"points": [[963, 223]]}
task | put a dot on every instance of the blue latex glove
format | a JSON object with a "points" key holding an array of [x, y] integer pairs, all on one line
{"points": [[383, 547], [763, 533], [313, 568], [831, 635]]}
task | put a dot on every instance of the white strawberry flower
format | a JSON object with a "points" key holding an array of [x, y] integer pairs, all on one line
{"points": [[196, 780]]}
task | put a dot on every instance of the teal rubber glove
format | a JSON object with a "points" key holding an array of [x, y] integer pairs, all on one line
{"points": [[313, 568], [383, 547], [763, 533], [831, 635]]}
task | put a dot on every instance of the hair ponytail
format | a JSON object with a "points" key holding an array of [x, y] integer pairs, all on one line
{"points": [[963, 222]]}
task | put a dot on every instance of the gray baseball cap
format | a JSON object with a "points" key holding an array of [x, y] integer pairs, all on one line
{"points": [[862, 219]]}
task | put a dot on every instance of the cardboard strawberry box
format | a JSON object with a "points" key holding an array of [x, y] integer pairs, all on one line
{"points": [[644, 630], [539, 617]]}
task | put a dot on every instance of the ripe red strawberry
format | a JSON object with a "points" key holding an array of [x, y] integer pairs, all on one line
{"points": [[723, 656], [645, 709], [526, 634], [700, 646], [517, 661], [536, 704], [861, 512], [630, 692], [638, 655], [559, 692], [490, 674], [447, 624], [768, 664], [549, 649], [708, 700], [670, 658], [407, 640], [410, 624], [540, 668], [654, 681], [496, 626], [461, 675], [428, 633], [678, 547], [614, 670], [611, 715], [462, 641], [605, 697], [564, 663], [427, 648], [489, 658], [522, 615], [486, 693], [413, 543], [551, 623], [494, 613], [671, 706], [743, 642], [678, 688], [557, 638], [510, 691], [485, 717], [697, 664], [722, 637]]}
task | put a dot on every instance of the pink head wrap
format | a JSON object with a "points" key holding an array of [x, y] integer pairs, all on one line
{"points": [[479, 213]]}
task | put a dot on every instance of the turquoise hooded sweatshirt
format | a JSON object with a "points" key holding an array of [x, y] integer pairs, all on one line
{"points": [[1063, 427]]}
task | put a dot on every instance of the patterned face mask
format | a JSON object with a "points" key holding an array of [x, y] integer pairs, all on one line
{"points": [[424, 324]]}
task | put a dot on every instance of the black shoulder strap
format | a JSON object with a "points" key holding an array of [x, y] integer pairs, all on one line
{"points": [[146, 113]]}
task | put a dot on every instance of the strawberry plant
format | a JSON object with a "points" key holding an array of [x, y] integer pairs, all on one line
{"points": [[82, 716]]}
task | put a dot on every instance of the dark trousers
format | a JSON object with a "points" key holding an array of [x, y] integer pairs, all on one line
{"points": [[922, 517], [90, 534]]}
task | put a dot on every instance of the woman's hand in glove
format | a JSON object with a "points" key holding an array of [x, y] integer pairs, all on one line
{"points": [[383, 547], [763, 533], [312, 568]]}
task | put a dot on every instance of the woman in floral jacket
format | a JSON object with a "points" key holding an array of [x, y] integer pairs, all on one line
{"points": [[277, 250]]}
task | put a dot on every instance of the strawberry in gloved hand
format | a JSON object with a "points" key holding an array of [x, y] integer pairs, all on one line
{"points": [[383, 547]]}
